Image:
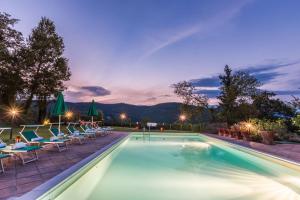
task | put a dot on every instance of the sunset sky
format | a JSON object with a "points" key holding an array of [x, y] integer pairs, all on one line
{"points": [[132, 50]]}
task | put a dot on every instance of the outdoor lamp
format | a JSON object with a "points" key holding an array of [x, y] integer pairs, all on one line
{"points": [[123, 116], [13, 112], [69, 114], [182, 117]]}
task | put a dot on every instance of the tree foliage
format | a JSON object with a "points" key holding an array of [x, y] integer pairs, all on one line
{"points": [[47, 68], [236, 90], [34, 69], [11, 60], [267, 106], [193, 103]]}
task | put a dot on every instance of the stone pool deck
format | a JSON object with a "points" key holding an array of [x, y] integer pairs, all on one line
{"points": [[285, 151], [19, 179]]}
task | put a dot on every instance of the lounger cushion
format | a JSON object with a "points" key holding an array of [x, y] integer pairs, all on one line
{"points": [[37, 139], [2, 145], [29, 148], [4, 156], [19, 145]]}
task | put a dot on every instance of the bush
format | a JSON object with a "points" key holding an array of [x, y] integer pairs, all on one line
{"points": [[278, 127]]}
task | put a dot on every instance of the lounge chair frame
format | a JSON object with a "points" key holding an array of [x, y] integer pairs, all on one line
{"points": [[18, 153], [61, 146]]}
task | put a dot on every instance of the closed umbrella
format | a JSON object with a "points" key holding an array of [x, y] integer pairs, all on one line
{"points": [[59, 108], [92, 111]]}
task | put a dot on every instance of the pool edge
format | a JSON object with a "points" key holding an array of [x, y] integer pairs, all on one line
{"points": [[62, 177], [267, 156]]}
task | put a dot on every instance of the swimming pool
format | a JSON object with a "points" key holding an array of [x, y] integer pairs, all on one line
{"points": [[174, 167]]}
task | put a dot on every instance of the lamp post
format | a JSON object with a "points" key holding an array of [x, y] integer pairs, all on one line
{"points": [[13, 112], [122, 117], [69, 114], [182, 118]]}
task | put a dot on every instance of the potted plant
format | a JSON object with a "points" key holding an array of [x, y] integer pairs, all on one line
{"points": [[237, 131], [266, 131], [245, 130]]}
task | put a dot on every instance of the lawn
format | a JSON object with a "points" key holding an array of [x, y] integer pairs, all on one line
{"points": [[44, 131]]}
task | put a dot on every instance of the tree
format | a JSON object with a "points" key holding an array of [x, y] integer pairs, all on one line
{"points": [[193, 103], [236, 90], [11, 60], [269, 107], [295, 102], [47, 68]]}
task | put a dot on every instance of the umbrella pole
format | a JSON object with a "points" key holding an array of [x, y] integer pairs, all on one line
{"points": [[59, 116], [92, 120]]}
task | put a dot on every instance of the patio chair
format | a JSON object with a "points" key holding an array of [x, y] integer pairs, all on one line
{"points": [[93, 128], [12, 149], [74, 132], [55, 132], [3, 156], [88, 132], [31, 137]]}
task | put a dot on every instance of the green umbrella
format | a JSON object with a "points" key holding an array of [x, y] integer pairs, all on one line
{"points": [[59, 108], [92, 111]]}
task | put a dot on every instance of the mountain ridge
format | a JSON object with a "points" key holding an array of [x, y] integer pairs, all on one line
{"points": [[162, 112]]}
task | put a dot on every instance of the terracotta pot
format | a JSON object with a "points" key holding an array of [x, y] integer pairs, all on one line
{"points": [[238, 135], [232, 133], [267, 137], [226, 132], [246, 135], [220, 132]]}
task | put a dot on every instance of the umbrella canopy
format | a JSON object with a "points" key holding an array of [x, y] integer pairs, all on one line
{"points": [[59, 108], [92, 110]]}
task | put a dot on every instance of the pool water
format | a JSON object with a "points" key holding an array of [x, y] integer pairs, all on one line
{"points": [[183, 167]]}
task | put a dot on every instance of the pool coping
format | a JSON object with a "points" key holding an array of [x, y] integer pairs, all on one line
{"points": [[42, 189], [273, 158], [61, 178]]}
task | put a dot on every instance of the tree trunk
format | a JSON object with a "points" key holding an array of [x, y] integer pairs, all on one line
{"points": [[28, 103], [42, 106]]}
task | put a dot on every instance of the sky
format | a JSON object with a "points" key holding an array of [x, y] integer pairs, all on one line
{"points": [[132, 51]]}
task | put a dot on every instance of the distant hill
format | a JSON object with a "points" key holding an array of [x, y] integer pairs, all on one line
{"points": [[164, 112]]}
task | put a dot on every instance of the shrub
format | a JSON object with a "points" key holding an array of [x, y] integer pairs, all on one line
{"points": [[255, 125]]}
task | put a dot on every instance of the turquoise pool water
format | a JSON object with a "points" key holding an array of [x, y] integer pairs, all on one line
{"points": [[183, 167]]}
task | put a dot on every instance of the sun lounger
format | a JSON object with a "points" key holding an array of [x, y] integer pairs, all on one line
{"points": [[55, 132], [88, 132], [2, 156], [9, 150], [19, 153], [74, 132], [31, 137]]}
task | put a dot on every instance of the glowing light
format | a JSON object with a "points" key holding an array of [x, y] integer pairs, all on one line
{"points": [[123, 116], [182, 117], [46, 122], [13, 112], [69, 114], [248, 125]]}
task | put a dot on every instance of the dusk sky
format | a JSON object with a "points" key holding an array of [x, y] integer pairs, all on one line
{"points": [[132, 50]]}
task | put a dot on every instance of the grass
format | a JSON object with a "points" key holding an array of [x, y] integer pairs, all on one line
{"points": [[127, 129], [44, 132]]}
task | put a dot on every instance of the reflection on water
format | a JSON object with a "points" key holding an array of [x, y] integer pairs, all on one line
{"points": [[176, 168]]}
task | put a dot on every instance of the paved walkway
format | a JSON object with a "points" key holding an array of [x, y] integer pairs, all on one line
{"points": [[19, 179], [286, 151]]}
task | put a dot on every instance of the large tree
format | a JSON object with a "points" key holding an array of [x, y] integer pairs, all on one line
{"points": [[236, 91], [267, 106], [47, 67], [12, 69], [193, 103]]}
